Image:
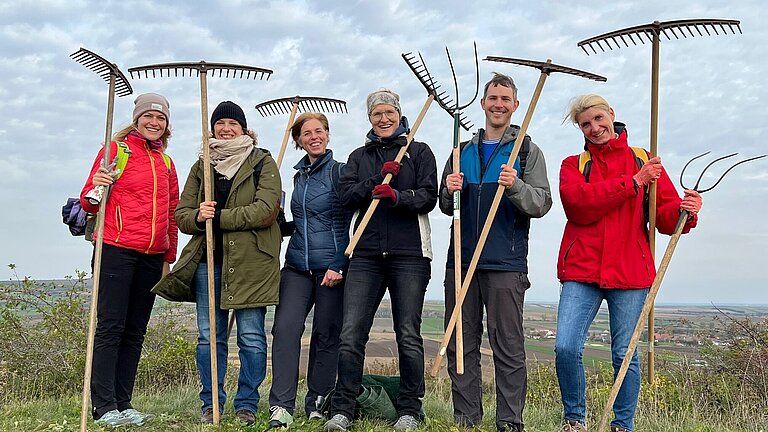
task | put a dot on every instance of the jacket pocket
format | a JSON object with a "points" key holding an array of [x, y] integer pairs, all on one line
{"points": [[265, 243], [565, 255]]}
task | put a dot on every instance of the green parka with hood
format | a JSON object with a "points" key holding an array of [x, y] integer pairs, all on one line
{"points": [[250, 272]]}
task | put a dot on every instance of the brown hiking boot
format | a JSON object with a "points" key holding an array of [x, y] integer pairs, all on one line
{"points": [[207, 416], [246, 416], [573, 426]]}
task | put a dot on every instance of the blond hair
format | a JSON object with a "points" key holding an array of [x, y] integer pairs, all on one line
{"points": [[299, 123], [579, 104], [122, 133]]}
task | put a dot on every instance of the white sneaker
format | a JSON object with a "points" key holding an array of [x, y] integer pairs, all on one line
{"points": [[113, 418], [280, 417], [136, 417], [315, 416]]}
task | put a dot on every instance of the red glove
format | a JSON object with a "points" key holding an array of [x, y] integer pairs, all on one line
{"points": [[382, 191], [390, 167]]}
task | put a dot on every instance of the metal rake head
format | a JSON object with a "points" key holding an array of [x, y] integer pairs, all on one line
{"points": [[698, 181], [104, 69], [226, 70], [456, 84], [676, 28], [419, 68], [547, 67], [303, 103]]}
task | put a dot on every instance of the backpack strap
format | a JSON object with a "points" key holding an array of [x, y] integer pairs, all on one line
{"points": [[257, 173], [167, 160], [121, 158], [525, 148], [585, 164]]}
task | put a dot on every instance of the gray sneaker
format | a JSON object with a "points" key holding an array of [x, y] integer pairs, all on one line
{"points": [[136, 417], [315, 416], [339, 422], [406, 423], [112, 418]]}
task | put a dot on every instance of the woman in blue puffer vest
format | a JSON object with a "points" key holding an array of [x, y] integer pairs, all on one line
{"points": [[312, 276]]}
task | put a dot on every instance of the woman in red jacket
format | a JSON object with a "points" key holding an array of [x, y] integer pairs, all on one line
{"points": [[139, 238], [604, 254]]}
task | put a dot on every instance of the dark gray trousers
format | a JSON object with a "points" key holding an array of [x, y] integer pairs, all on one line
{"points": [[501, 294], [299, 292]]}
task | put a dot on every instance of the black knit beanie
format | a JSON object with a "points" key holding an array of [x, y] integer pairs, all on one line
{"points": [[230, 110]]}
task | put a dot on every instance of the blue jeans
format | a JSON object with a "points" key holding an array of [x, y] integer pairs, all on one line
{"points": [[368, 279], [251, 341], [578, 306]]}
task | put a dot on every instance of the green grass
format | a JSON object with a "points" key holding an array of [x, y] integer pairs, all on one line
{"points": [[177, 409]]}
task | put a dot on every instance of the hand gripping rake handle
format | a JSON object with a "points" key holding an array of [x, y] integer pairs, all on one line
{"points": [[428, 84], [455, 110], [652, 33], [292, 105], [649, 300], [201, 69], [546, 68], [118, 84]]}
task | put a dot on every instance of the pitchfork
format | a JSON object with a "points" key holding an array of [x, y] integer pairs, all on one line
{"points": [[660, 276], [546, 68], [292, 105], [455, 110], [426, 80], [201, 69], [652, 33], [118, 84]]}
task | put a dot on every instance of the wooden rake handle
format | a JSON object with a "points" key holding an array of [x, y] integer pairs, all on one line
{"points": [[647, 306], [371, 208], [486, 230], [287, 134]]}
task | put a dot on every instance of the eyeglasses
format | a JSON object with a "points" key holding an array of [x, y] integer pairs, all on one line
{"points": [[390, 114]]}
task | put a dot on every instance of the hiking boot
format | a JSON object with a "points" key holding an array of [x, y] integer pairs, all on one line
{"points": [[246, 416], [315, 416], [339, 422], [280, 417], [573, 426], [207, 416], [619, 429], [112, 418], [406, 423], [137, 418]]}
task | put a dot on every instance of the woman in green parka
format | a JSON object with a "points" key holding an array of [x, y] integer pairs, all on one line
{"points": [[246, 185]]}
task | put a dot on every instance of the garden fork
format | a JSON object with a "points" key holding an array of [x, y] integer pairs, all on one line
{"points": [[118, 84], [455, 110], [660, 276], [546, 68], [652, 32], [225, 70]]}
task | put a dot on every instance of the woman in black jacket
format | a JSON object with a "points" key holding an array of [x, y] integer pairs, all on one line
{"points": [[393, 253]]}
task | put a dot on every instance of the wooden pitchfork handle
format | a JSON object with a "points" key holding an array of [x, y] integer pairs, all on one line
{"points": [[371, 208], [649, 300], [486, 230]]}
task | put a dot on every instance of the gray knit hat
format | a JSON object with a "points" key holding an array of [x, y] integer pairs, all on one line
{"points": [[383, 96], [151, 102]]}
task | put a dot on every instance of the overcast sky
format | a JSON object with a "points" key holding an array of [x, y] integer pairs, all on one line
{"points": [[712, 97]]}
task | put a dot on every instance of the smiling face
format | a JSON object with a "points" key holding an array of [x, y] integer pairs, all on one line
{"points": [[152, 125], [596, 123], [499, 104], [227, 129], [385, 119], [313, 138]]}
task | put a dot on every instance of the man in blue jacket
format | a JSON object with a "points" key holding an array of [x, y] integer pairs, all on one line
{"points": [[500, 281]]}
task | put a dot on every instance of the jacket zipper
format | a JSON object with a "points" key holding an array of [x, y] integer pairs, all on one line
{"points": [[154, 200], [118, 223], [304, 210]]}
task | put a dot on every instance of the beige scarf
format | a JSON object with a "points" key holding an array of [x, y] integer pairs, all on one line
{"points": [[228, 155]]}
